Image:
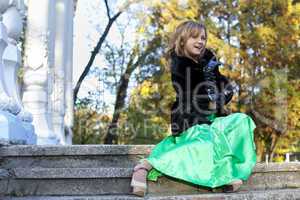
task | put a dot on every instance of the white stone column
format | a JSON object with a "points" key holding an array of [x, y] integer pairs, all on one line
{"points": [[61, 65], [69, 108], [37, 68], [62, 94], [51, 62]]}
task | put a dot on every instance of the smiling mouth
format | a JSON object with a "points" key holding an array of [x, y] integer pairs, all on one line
{"points": [[198, 47]]}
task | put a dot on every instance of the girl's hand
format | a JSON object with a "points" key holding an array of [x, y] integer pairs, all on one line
{"points": [[210, 77], [212, 105], [211, 65]]}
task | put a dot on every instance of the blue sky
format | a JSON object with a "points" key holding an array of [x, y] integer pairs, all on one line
{"points": [[89, 22]]}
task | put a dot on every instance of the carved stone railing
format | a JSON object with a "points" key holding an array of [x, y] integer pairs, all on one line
{"points": [[38, 66], [47, 72], [15, 122]]}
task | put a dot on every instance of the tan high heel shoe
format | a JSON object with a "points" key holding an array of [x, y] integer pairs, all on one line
{"points": [[234, 186], [139, 179]]}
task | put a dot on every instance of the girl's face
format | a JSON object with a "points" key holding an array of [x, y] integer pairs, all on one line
{"points": [[194, 46]]}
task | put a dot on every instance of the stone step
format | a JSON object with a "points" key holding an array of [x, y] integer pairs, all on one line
{"points": [[75, 156], [99, 181], [279, 194], [55, 150], [82, 156]]}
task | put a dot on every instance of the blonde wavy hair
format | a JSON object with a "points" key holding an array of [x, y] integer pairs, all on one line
{"points": [[181, 34]]}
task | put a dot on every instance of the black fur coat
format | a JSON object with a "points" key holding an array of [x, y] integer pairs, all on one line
{"points": [[191, 105]]}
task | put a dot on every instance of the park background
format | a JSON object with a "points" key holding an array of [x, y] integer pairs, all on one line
{"points": [[86, 93], [122, 84], [128, 92]]}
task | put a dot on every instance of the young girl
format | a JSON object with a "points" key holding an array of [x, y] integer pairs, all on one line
{"points": [[206, 147]]}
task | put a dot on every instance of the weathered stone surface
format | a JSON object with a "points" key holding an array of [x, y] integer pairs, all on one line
{"points": [[249, 195], [4, 173], [42, 187], [69, 173], [3, 187], [272, 180], [277, 167], [257, 181], [54, 150], [83, 181], [93, 161], [93, 156], [107, 169], [3, 142], [171, 186], [88, 161], [287, 194]]}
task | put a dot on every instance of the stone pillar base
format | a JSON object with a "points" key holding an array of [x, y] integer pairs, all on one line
{"points": [[13, 131], [31, 136], [47, 141]]}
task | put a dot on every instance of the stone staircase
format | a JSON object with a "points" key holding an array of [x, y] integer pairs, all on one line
{"points": [[94, 172]]}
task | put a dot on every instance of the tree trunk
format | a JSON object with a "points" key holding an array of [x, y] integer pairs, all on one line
{"points": [[259, 151], [112, 136], [275, 139], [93, 56]]}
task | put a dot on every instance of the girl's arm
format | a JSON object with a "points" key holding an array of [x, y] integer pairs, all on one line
{"points": [[210, 72], [217, 81]]}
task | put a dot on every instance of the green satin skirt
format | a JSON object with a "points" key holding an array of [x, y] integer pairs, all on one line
{"points": [[207, 155]]}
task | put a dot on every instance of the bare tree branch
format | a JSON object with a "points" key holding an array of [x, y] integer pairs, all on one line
{"points": [[94, 54], [99, 45], [107, 9], [111, 136]]}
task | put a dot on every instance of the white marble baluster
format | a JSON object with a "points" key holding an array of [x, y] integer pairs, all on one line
{"points": [[12, 56], [11, 128], [4, 99], [12, 59], [36, 68], [69, 108]]}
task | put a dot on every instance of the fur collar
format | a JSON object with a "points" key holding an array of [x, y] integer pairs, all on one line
{"points": [[185, 61]]}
